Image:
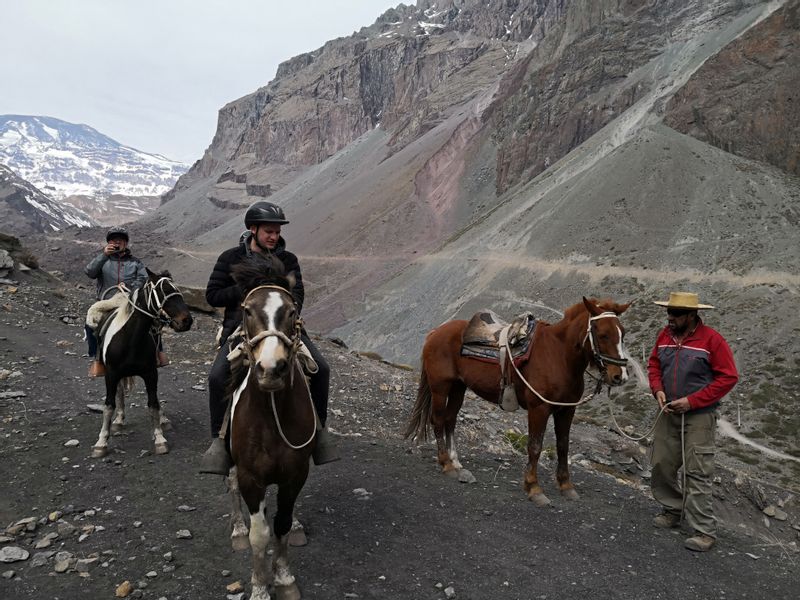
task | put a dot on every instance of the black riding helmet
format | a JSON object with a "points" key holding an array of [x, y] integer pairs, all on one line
{"points": [[117, 232], [264, 212]]}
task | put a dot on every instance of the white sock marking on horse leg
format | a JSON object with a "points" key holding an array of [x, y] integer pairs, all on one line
{"points": [[259, 538], [280, 562], [155, 420], [102, 440], [119, 402], [451, 450]]}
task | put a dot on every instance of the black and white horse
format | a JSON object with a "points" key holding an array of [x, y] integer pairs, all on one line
{"points": [[128, 345]]}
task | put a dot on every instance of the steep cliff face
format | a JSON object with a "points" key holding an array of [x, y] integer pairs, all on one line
{"points": [[584, 75], [746, 99]]}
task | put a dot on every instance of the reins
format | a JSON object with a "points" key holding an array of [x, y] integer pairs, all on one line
{"points": [[600, 358]]}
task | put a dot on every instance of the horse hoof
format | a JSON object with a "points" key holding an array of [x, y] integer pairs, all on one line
{"points": [[539, 499], [240, 543], [297, 537], [166, 425], [99, 451], [287, 592], [451, 473], [162, 448], [464, 476], [570, 493], [116, 427]]}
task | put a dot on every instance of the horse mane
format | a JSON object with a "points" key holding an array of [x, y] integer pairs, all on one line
{"points": [[606, 304], [257, 269]]}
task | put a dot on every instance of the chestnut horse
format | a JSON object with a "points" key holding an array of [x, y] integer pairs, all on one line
{"points": [[589, 333], [273, 423]]}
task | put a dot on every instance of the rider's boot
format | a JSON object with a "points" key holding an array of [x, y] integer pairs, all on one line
{"points": [[97, 369], [162, 359], [216, 459], [325, 450]]}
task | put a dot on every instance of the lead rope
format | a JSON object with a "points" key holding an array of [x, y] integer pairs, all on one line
{"points": [[313, 411], [650, 431]]}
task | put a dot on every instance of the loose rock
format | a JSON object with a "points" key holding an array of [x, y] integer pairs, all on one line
{"points": [[9, 554], [183, 534], [123, 590]]}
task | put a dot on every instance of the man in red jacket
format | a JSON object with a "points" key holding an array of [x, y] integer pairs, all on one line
{"points": [[690, 369]]}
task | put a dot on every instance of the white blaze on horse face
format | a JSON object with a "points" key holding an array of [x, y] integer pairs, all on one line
{"points": [[272, 350], [622, 353]]}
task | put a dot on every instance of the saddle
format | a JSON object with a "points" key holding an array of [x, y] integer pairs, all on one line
{"points": [[102, 313], [482, 337]]}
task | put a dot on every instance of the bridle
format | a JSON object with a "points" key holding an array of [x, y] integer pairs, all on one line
{"points": [[249, 343], [155, 299], [599, 358]]}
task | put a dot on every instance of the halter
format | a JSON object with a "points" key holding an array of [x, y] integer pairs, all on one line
{"points": [[249, 343], [601, 359], [153, 303]]}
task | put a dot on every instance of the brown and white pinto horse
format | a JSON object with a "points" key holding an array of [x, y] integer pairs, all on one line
{"points": [[273, 423], [589, 333], [128, 344]]}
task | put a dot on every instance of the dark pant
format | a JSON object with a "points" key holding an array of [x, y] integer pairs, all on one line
{"points": [[220, 374], [91, 340]]}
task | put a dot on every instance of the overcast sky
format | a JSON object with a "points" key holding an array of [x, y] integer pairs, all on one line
{"points": [[152, 74]]}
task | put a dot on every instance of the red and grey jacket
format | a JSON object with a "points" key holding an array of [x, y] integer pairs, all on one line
{"points": [[701, 367]]}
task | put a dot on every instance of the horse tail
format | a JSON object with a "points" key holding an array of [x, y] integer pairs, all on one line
{"points": [[128, 384], [421, 414]]}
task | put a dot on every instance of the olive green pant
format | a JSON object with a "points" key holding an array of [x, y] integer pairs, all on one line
{"points": [[666, 460]]}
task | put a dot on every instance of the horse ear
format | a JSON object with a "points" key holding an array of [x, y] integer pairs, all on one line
{"points": [[150, 274], [621, 308], [591, 306]]}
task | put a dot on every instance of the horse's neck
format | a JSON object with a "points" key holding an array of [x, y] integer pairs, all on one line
{"points": [[571, 334]]}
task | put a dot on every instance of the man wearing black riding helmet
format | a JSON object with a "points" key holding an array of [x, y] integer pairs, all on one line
{"points": [[263, 221], [114, 265]]}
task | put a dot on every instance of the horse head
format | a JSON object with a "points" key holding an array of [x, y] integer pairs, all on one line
{"points": [[605, 339], [270, 322], [166, 300]]}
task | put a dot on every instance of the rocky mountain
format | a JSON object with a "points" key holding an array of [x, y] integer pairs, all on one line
{"points": [[25, 209], [519, 155], [76, 163]]}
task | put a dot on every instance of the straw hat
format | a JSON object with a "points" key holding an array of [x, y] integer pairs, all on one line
{"points": [[687, 300]]}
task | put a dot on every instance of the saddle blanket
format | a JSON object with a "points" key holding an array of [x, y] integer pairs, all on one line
{"points": [[481, 337]]}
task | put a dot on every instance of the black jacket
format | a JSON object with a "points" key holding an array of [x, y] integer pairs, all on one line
{"points": [[223, 292]]}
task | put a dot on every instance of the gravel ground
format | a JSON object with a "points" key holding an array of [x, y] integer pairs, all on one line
{"points": [[382, 523]]}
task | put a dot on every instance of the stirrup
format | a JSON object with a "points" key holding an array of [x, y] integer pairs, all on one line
{"points": [[508, 401], [325, 450], [216, 459], [97, 369]]}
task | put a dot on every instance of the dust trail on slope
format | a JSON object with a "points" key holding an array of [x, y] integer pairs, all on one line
{"points": [[728, 430]]}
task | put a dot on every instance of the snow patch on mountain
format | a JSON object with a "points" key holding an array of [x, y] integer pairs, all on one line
{"points": [[65, 159]]}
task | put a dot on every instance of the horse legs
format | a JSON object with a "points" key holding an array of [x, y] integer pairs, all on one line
{"points": [[285, 585], [562, 421], [100, 448], [455, 399], [254, 497], [439, 417], [151, 383], [537, 421], [119, 413], [239, 539]]}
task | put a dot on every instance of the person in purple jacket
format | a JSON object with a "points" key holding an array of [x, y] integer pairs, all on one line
{"points": [[690, 370]]}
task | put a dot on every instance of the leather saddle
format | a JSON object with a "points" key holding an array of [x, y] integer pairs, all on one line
{"points": [[481, 338]]}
